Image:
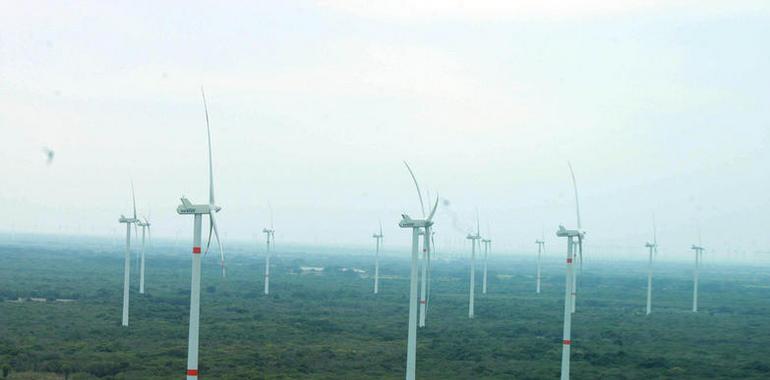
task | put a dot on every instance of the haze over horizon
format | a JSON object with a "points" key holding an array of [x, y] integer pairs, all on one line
{"points": [[660, 107]]}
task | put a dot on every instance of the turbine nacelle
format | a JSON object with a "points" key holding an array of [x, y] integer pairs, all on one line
{"points": [[377, 236], [650, 245], [267, 231], [187, 208], [408, 222], [539, 242], [697, 248], [563, 232], [486, 240], [473, 237], [123, 219]]}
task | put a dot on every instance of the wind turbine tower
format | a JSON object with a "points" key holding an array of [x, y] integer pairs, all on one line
{"points": [[127, 265], [540, 249], [416, 225], [698, 257], [473, 238], [145, 226], [198, 210], [378, 239], [574, 243], [487, 248], [269, 241]]}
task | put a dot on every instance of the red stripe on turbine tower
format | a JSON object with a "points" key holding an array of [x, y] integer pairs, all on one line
{"points": [[196, 249], [192, 372], [422, 302], [567, 341], [569, 261]]}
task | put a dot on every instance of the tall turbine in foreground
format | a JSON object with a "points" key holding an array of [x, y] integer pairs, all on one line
{"points": [[378, 239], [698, 257], [127, 264], [653, 247], [487, 248], [145, 226], [416, 225], [574, 243], [269, 240], [540, 249], [473, 238], [424, 263], [198, 210]]}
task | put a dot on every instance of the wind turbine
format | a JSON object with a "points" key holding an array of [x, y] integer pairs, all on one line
{"points": [[425, 262], [653, 247], [574, 238], [487, 248], [540, 249], [579, 257], [473, 238], [416, 225], [378, 239], [198, 210], [698, 257], [269, 241], [145, 226], [127, 265]]}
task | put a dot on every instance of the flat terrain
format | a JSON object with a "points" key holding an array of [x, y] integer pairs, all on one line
{"points": [[331, 326]]}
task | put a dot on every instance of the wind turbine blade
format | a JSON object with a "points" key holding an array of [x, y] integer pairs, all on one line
{"points": [[435, 206], [577, 202], [208, 242], [219, 242], [380, 227], [269, 206], [133, 198], [478, 230], [419, 193], [208, 131]]}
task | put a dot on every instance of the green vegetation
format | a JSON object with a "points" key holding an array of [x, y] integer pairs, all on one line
{"points": [[330, 326]]}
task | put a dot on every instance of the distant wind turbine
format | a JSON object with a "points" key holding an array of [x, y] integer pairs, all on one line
{"points": [[574, 242], [144, 225], [378, 239], [540, 249], [127, 265], [187, 208], [653, 247], [698, 257], [473, 238], [416, 225], [269, 236], [487, 248]]}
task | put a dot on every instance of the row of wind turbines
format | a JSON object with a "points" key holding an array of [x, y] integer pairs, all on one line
{"points": [[421, 227]]}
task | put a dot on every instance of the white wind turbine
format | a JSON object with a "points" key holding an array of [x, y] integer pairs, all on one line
{"points": [[698, 257], [198, 210], [569, 283], [416, 225], [487, 248], [269, 241], [540, 249], [425, 261], [378, 239], [653, 247], [145, 226], [127, 265], [473, 238]]}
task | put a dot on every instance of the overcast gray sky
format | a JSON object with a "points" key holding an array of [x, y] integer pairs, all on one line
{"points": [[660, 106]]}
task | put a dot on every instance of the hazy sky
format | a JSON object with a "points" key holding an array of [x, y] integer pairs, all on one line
{"points": [[660, 106]]}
